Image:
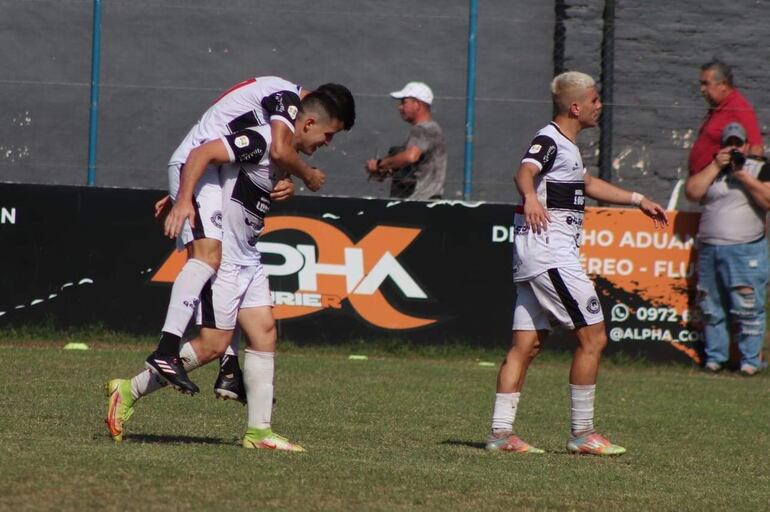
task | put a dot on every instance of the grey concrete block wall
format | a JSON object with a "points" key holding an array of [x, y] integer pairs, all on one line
{"points": [[163, 62], [659, 48]]}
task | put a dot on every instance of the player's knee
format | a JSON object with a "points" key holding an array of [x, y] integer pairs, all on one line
{"points": [[535, 350], [208, 251], [594, 344]]}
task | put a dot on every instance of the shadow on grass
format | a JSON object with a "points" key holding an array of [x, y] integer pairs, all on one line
{"points": [[460, 442], [157, 439]]}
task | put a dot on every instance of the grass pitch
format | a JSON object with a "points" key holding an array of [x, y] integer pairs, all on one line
{"points": [[398, 432]]}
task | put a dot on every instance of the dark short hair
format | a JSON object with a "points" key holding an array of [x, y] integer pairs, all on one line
{"points": [[334, 99], [723, 71]]}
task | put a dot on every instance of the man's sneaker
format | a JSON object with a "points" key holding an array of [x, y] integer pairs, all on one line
{"points": [[593, 444], [120, 407], [508, 442], [229, 386], [748, 370], [712, 367], [170, 369], [266, 439]]}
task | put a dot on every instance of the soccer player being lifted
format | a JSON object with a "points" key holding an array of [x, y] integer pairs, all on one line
{"points": [[195, 219], [240, 290], [549, 279]]}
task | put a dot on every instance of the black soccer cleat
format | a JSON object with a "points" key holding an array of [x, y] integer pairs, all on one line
{"points": [[229, 386], [170, 369]]}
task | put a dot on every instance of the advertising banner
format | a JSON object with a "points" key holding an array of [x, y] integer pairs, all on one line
{"points": [[341, 269], [645, 277]]}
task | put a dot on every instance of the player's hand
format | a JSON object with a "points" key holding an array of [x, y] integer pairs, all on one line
{"points": [[316, 179], [372, 167], [535, 215], [162, 207], [182, 210], [654, 211], [283, 190], [723, 157]]}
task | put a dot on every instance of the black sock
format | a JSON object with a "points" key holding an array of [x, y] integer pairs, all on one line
{"points": [[168, 345], [229, 364]]}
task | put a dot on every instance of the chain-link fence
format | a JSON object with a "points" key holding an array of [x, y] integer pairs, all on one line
{"points": [[163, 62]]}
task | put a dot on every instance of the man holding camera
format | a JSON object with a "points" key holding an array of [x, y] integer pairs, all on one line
{"points": [[418, 168], [734, 192]]}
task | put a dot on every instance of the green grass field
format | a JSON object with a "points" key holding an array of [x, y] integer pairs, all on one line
{"points": [[396, 432]]}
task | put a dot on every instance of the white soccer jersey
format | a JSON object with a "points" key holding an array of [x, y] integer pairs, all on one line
{"points": [[560, 188], [247, 184], [254, 102]]}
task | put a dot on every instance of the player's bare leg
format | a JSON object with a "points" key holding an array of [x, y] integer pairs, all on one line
{"points": [[525, 345], [258, 373], [592, 340]]}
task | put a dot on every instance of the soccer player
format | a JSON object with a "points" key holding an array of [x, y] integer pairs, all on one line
{"points": [[240, 289], [549, 279], [196, 216]]}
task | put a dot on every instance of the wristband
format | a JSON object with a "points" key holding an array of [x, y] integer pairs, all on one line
{"points": [[636, 198]]}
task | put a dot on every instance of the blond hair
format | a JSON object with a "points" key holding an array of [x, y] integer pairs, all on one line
{"points": [[568, 87]]}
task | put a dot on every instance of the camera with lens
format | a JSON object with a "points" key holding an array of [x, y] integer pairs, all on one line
{"points": [[737, 160]]}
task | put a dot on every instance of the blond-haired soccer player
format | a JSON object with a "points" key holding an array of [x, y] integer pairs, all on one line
{"points": [[549, 279]]}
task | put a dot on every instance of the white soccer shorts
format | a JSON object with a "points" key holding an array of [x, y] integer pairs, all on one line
{"points": [[235, 287], [207, 199], [565, 294]]}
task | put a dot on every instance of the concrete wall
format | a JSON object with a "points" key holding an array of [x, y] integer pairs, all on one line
{"points": [[659, 48], [163, 62]]}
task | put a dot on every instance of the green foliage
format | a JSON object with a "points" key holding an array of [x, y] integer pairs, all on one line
{"points": [[390, 433]]}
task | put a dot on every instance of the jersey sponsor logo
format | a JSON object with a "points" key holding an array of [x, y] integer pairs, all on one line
{"points": [[333, 269], [292, 110], [241, 141], [535, 149]]}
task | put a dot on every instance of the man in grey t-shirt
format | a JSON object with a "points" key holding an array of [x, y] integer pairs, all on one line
{"points": [[418, 168], [732, 250]]}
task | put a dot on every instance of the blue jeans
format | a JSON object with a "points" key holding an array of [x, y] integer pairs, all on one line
{"points": [[722, 269]]}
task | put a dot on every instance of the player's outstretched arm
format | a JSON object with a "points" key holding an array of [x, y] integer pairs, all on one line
{"points": [[535, 215], [602, 191], [213, 152], [283, 154]]}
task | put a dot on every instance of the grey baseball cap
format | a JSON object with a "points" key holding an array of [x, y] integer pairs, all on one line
{"points": [[733, 130]]}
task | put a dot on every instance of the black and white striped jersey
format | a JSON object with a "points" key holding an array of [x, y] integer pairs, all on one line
{"points": [[560, 187], [253, 102], [246, 186]]}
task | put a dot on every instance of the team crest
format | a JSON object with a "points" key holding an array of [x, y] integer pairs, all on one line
{"points": [[241, 141], [593, 306], [292, 110], [535, 149], [216, 219]]}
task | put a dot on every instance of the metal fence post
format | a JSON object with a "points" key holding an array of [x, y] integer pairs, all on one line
{"points": [[470, 100], [96, 36]]}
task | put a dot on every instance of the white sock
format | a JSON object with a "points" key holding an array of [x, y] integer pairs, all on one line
{"points": [[185, 295], [146, 382], [582, 410], [504, 412], [232, 350], [258, 372]]}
